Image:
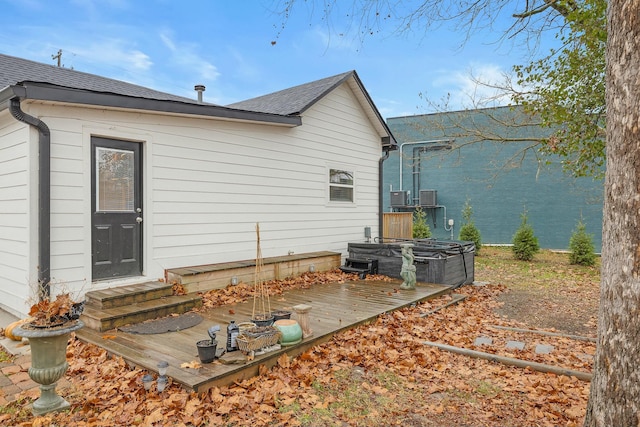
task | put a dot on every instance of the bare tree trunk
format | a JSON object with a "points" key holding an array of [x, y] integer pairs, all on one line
{"points": [[615, 388]]}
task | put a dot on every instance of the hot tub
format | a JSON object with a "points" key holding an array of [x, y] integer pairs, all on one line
{"points": [[446, 262]]}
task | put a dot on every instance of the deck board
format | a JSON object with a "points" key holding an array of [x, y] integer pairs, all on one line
{"points": [[336, 307]]}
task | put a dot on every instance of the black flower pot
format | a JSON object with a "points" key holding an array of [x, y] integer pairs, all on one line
{"points": [[281, 314], [263, 320], [207, 350]]}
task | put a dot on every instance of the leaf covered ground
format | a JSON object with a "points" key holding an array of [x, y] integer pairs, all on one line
{"points": [[381, 373]]}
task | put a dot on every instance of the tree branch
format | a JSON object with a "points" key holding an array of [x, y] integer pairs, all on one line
{"points": [[562, 7], [532, 12]]}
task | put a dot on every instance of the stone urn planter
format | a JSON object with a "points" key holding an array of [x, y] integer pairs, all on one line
{"points": [[48, 361]]}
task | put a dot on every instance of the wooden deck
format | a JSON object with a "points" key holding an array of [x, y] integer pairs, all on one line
{"points": [[336, 307]]}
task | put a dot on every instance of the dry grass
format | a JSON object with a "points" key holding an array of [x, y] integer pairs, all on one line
{"points": [[547, 292]]}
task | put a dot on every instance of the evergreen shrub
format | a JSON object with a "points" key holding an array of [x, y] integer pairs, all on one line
{"points": [[582, 249], [421, 229], [469, 231], [525, 242]]}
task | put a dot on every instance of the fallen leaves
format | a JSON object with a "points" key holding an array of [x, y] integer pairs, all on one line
{"points": [[243, 291], [194, 364], [284, 361], [50, 312], [376, 374], [178, 289], [155, 417]]}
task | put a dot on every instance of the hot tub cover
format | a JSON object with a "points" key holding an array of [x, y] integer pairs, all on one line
{"points": [[448, 262]]}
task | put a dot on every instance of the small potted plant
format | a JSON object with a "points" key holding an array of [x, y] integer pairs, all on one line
{"points": [[262, 319], [48, 331], [48, 314], [280, 315]]}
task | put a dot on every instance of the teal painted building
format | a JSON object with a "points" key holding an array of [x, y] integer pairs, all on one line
{"points": [[445, 159]]}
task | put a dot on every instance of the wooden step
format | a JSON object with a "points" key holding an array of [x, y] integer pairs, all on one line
{"points": [[202, 278], [127, 295], [114, 317]]}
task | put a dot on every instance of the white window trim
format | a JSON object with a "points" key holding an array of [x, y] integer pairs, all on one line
{"points": [[328, 184]]}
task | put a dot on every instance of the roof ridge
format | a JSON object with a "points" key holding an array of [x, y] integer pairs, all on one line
{"points": [[296, 99]]}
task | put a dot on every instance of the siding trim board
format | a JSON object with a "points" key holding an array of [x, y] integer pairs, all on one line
{"points": [[47, 92]]}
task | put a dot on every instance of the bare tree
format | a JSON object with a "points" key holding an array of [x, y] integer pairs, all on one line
{"points": [[503, 127], [562, 90], [615, 388], [368, 18]]}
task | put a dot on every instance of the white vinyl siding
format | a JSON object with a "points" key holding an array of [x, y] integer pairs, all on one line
{"points": [[70, 181], [210, 190], [16, 277], [207, 183]]}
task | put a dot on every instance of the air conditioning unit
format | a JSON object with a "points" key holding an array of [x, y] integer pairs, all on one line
{"points": [[398, 199], [428, 198]]}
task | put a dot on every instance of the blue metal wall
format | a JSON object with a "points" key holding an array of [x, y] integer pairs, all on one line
{"points": [[499, 179]]}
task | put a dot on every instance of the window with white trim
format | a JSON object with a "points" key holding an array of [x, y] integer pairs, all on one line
{"points": [[341, 186]]}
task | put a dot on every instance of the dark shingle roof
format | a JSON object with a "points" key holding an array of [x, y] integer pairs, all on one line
{"points": [[16, 70], [48, 82], [294, 100]]}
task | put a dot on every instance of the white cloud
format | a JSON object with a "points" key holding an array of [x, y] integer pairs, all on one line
{"points": [[115, 53], [166, 39], [478, 86], [185, 55], [139, 60], [392, 108], [243, 66]]}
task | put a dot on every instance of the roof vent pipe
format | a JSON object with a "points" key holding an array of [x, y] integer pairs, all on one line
{"points": [[199, 89]]}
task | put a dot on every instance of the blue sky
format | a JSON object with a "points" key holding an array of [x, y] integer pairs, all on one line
{"points": [[172, 45]]}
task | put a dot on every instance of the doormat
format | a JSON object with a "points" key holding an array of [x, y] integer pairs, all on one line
{"points": [[166, 324]]}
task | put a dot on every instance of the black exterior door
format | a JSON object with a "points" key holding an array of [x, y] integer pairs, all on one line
{"points": [[116, 200]]}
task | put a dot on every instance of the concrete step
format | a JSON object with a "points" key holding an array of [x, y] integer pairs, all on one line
{"points": [[103, 319], [127, 295]]}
